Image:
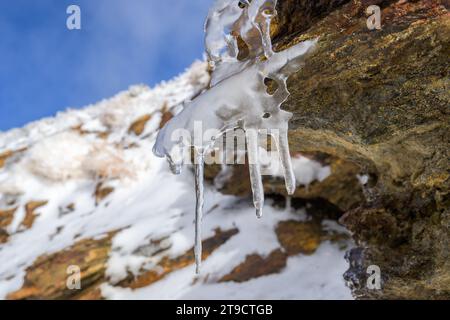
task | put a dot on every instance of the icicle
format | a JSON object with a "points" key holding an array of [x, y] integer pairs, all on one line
{"points": [[268, 14], [237, 96], [288, 203], [199, 189], [175, 168], [229, 19], [307, 187], [286, 162], [255, 170]]}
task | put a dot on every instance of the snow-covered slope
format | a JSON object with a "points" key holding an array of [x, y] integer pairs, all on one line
{"points": [[88, 172]]}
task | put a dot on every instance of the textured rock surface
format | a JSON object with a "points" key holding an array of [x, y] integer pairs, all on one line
{"points": [[47, 277], [4, 156], [31, 213], [256, 266], [6, 217], [380, 100], [298, 237], [375, 103], [341, 188], [168, 265]]}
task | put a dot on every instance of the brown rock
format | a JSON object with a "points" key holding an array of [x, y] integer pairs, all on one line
{"points": [[256, 266], [47, 277], [168, 265], [375, 103], [30, 214], [3, 156], [138, 126], [299, 236], [3, 236], [341, 188], [81, 131], [101, 192], [379, 100], [165, 117], [6, 217]]}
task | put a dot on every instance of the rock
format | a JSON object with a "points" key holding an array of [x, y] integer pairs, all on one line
{"points": [[380, 101], [341, 187], [6, 217], [30, 213], [295, 237], [168, 265], [47, 277], [256, 266], [138, 126], [101, 134], [165, 116], [299, 236], [374, 103], [101, 192], [4, 156], [8, 154], [4, 236]]}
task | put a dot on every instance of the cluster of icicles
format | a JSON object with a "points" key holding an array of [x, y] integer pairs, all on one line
{"points": [[237, 96]]}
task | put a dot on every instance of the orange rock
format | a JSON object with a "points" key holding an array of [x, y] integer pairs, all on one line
{"points": [[6, 217], [92, 294], [47, 277], [81, 131], [165, 117], [256, 266], [3, 156], [298, 236], [3, 236], [31, 215], [168, 265], [138, 126], [102, 192]]}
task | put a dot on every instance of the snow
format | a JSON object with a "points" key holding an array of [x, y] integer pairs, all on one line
{"points": [[63, 166], [363, 179], [305, 277], [305, 170]]}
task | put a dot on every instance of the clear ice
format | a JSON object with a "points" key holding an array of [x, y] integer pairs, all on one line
{"points": [[237, 96]]}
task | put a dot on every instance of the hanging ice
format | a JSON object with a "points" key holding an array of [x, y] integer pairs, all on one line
{"points": [[237, 96], [230, 20]]}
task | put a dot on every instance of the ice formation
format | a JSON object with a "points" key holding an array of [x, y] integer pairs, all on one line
{"points": [[237, 96]]}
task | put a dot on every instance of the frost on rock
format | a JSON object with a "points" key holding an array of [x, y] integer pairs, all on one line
{"points": [[237, 97]]}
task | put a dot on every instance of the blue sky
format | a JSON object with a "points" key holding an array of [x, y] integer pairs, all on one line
{"points": [[45, 68]]}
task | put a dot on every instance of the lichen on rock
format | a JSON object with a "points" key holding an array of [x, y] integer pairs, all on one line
{"points": [[375, 104], [380, 99]]}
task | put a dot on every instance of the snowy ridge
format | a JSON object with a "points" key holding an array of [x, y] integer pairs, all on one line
{"points": [[61, 161], [115, 112]]}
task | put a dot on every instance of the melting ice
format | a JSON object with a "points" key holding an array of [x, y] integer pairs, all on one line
{"points": [[237, 97]]}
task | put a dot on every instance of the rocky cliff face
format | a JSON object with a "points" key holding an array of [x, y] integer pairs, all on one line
{"points": [[381, 100], [376, 103], [372, 105]]}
